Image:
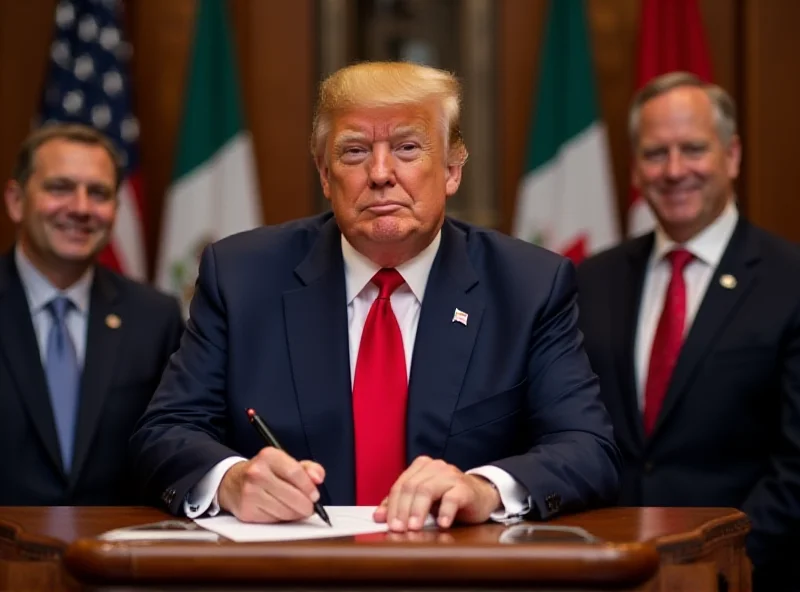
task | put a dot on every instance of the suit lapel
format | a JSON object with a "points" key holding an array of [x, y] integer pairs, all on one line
{"points": [[317, 333], [102, 342], [717, 306], [442, 347], [627, 313], [19, 346]]}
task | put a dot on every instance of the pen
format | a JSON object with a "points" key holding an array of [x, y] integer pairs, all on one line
{"points": [[262, 429]]}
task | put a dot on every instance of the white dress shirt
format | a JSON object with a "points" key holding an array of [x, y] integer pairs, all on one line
{"points": [[39, 292], [406, 303], [707, 248]]}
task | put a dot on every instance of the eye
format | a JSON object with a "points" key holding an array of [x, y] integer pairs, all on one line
{"points": [[694, 149], [60, 188], [654, 154], [100, 194], [407, 150]]}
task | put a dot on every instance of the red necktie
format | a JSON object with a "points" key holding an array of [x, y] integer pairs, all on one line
{"points": [[668, 339], [380, 389]]}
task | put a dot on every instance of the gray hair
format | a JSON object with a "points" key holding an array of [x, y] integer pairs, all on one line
{"points": [[723, 105]]}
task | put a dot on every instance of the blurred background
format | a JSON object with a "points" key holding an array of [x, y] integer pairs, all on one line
{"points": [[284, 47]]}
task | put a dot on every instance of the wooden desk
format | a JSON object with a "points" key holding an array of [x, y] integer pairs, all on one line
{"points": [[644, 549]]}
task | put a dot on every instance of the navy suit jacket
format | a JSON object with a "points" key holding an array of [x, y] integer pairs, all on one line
{"points": [[268, 329], [729, 430], [121, 371]]}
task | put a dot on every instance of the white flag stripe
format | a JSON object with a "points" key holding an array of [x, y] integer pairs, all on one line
{"points": [[570, 195], [127, 236], [216, 199]]}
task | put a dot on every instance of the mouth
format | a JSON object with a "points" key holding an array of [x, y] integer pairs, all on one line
{"points": [[74, 232], [382, 209], [679, 195]]}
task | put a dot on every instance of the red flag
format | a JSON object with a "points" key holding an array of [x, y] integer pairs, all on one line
{"points": [[671, 37]]}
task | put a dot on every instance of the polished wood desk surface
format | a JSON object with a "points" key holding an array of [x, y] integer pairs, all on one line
{"points": [[635, 545]]}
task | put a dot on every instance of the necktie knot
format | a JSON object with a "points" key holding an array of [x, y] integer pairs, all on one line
{"points": [[59, 307], [679, 259], [387, 280]]}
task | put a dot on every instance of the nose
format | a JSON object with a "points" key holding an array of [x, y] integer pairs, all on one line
{"points": [[80, 204], [381, 167], [676, 167]]}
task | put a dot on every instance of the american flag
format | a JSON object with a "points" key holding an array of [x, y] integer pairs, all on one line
{"points": [[88, 82]]}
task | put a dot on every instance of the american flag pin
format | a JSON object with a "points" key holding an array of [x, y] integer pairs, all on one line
{"points": [[459, 316]]}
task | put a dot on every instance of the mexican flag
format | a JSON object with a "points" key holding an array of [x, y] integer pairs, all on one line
{"points": [[214, 191], [566, 200]]}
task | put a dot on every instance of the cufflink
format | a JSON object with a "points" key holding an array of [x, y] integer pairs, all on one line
{"points": [[553, 502]]}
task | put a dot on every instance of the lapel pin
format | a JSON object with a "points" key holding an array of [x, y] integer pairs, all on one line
{"points": [[727, 281], [113, 321], [459, 316]]}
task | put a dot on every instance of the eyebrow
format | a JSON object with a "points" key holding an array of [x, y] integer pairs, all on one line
{"points": [[399, 132], [62, 180]]}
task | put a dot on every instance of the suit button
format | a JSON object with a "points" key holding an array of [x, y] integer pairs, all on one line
{"points": [[649, 466]]}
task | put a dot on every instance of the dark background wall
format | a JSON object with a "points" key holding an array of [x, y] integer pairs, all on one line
{"points": [[753, 45]]}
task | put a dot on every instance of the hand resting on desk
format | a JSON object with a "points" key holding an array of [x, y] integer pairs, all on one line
{"points": [[431, 486]]}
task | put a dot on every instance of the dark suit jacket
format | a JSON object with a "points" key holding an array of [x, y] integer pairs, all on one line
{"points": [[729, 431], [122, 368], [268, 329]]}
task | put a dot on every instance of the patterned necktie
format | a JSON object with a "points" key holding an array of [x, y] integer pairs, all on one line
{"points": [[380, 389], [668, 339], [63, 377]]}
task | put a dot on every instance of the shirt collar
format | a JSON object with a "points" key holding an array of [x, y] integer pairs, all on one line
{"points": [[40, 291], [359, 270], [709, 244]]}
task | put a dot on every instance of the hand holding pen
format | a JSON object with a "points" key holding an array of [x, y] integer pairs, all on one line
{"points": [[270, 439], [272, 486]]}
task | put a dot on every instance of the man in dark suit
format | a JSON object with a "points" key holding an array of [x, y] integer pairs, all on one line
{"points": [[414, 362], [694, 329], [81, 348]]}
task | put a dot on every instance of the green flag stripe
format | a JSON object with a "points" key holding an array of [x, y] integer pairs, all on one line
{"points": [[566, 101], [212, 104]]}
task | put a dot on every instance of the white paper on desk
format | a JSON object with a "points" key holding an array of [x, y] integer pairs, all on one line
{"points": [[346, 521]]}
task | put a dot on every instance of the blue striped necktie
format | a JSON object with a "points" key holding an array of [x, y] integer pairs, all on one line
{"points": [[63, 377]]}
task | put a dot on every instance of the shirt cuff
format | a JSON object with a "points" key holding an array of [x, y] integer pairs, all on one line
{"points": [[515, 498], [202, 497]]}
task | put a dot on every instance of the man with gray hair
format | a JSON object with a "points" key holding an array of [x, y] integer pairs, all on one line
{"points": [[694, 330]]}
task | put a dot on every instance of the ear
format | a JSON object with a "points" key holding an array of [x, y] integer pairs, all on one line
{"points": [[324, 176], [452, 178], [733, 156], [15, 197]]}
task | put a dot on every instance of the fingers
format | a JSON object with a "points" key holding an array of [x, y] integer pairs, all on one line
{"points": [[417, 491], [315, 471], [433, 486], [402, 493], [381, 511], [272, 487], [452, 501]]}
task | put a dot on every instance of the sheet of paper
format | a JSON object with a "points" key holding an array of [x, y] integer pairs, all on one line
{"points": [[346, 521]]}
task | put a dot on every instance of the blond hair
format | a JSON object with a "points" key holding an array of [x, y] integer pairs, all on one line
{"points": [[387, 84], [71, 132]]}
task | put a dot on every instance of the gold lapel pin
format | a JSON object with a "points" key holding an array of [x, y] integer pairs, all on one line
{"points": [[113, 321], [727, 281]]}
